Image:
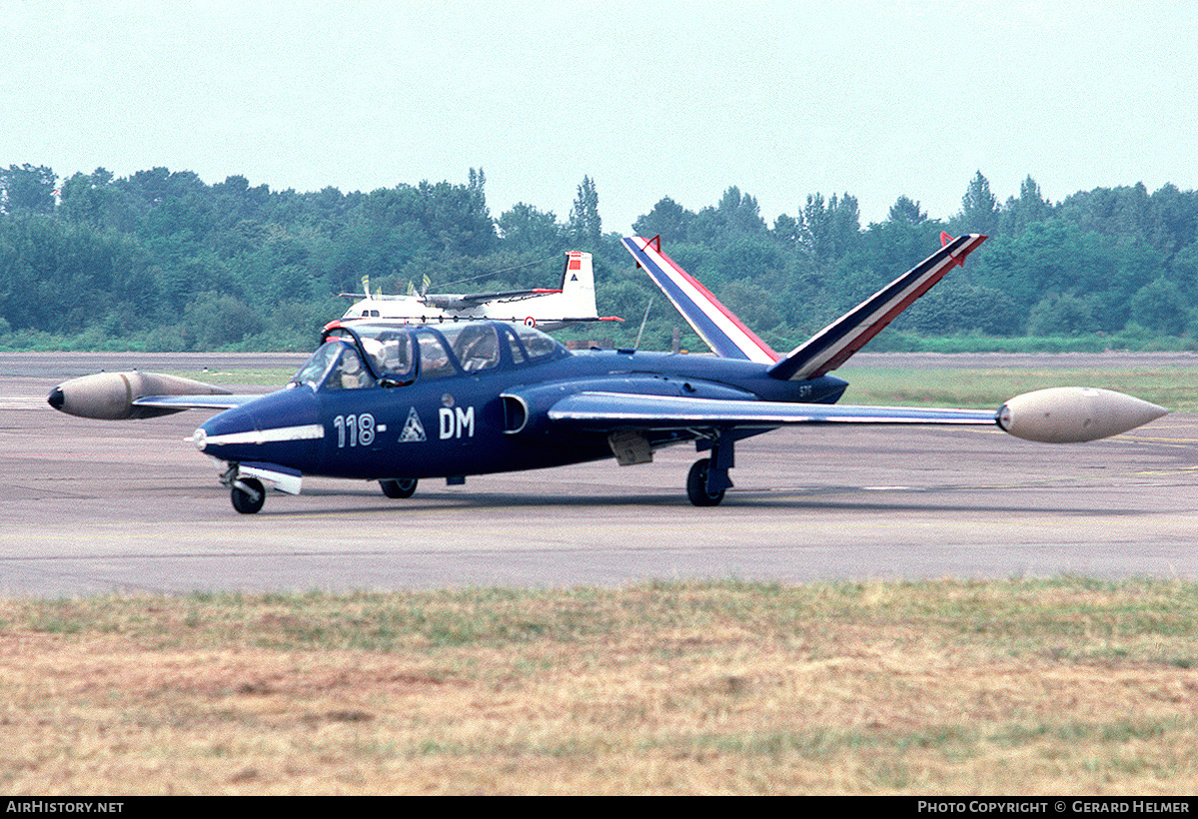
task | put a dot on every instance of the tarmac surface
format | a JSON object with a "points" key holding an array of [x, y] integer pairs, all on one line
{"points": [[93, 507]]}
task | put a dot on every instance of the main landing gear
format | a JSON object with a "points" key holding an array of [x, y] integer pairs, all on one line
{"points": [[398, 488], [708, 479], [696, 485]]}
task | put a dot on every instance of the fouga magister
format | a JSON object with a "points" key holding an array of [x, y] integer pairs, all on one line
{"points": [[395, 404]]}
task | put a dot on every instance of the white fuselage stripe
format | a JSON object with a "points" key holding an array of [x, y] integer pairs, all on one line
{"points": [[306, 432]]}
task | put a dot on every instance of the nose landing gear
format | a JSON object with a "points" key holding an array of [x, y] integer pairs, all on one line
{"points": [[248, 495]]}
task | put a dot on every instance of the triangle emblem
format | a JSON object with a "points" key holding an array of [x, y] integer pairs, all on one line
{"points": [[413, 430]]}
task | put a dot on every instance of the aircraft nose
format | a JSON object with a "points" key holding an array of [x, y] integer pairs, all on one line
{"points": [[56, 399], [232, 427], [281, 428]]}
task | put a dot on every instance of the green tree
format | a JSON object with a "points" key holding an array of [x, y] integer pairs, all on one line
{"points": [[1030, 207], [1172, 219], [752, 257], [457, 216], [735, 215], [752, 303], [1117, 212], [216, 320], [1159, 306], [907, 212], [27, 188], [979, 208], [827, 232], [893, 246], [86, 198], [585, 226], [668, 219], [786, 231], [1056, 315], [527, 230]]}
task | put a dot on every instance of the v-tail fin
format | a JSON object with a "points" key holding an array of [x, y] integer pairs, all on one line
{"points": [[723, 332], [833, 345]]}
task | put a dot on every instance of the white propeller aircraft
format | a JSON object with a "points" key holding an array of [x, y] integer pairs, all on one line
{"points": [[547, 309]]}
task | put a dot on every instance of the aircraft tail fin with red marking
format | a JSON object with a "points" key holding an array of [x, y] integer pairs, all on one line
{"points": [[578, 285], [723, 332], [833, 345]]}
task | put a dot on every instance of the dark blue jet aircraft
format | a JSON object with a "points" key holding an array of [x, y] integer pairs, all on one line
{"points": [[396, 403]]}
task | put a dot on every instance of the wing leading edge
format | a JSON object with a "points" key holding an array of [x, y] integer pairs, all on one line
{"points": [[186, 402], [606, 411]]}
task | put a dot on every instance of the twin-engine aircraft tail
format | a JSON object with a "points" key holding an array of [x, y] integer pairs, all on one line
{"points": [[728, 337]]}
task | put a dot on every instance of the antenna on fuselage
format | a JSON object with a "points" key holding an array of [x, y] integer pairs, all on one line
{"points": [[644, 320]]}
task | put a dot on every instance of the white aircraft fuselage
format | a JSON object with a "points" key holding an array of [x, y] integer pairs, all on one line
{"points": [[543, 308]]}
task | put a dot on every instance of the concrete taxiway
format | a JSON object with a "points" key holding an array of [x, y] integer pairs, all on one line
{"points": [[93, 507]]}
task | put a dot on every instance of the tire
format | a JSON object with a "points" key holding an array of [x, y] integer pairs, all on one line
{"points": [[398, 488], [244, 502], [696, 485]]}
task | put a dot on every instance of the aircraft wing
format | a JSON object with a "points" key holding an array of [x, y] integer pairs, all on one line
{"points": [[605, 411], [1056, 415], [467, 300], [507, 295], [186, 402]]}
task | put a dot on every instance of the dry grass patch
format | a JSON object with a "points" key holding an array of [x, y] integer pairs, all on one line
{"points": [[1063, 686]]}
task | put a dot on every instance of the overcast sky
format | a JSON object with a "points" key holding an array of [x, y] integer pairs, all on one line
{"points": [[649, 99]]}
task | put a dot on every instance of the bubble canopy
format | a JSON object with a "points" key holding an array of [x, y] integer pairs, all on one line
{"points": [[354, 355]]}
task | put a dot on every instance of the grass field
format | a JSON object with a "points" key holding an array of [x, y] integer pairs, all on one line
{"points": [[1061, 686]]}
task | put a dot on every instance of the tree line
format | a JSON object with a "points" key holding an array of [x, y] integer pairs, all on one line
{"points": [[160, 260]]}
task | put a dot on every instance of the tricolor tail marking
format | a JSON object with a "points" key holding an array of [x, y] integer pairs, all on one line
{"points": [[833, 345], [723, 332]]}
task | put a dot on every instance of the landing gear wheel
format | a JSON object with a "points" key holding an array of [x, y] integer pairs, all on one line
{"points": [[247, 503], [696, 485], [399, 488]]}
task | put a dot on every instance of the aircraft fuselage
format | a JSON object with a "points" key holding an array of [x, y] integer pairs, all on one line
{"points": [[466, 424]]}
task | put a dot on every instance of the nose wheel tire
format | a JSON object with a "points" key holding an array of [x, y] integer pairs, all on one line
{"points": [[249, 499], [399, 488], [696, 485]]}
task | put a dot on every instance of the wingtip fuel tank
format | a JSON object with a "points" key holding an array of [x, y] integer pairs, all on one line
{"points": [[1062, 415], [110, 396]]}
